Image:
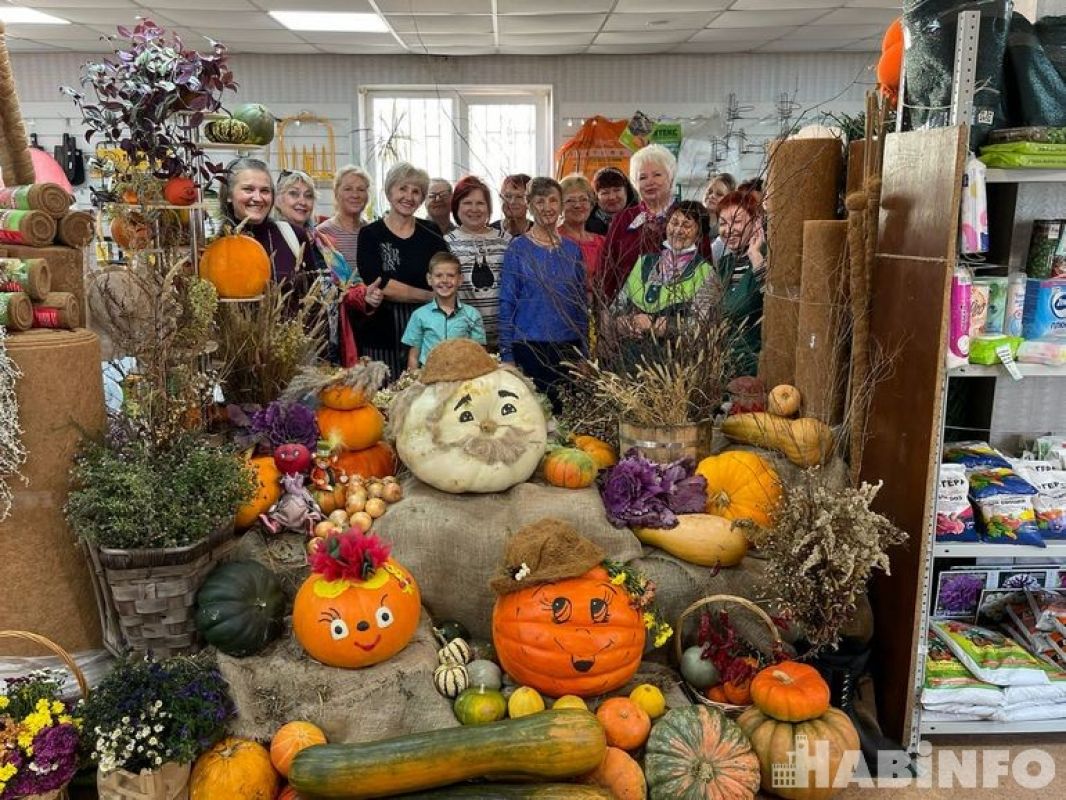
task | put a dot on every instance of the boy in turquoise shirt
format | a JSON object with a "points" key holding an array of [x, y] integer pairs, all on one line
{"points": [[443, 317]]}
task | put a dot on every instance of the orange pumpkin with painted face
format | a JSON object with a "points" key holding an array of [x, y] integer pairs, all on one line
{"points": [[575, 636], [358, 607]]}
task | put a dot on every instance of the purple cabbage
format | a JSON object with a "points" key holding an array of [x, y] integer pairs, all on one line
{"points": [[637, 492], [284, 423]]}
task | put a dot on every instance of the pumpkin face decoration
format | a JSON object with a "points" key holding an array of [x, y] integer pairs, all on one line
{"points": [[358, 607], [469, 424]]}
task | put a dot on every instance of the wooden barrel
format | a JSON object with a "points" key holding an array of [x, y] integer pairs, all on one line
{"points": [[666, 443]]}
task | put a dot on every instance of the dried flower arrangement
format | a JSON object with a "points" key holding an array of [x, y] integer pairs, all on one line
{"points": [[12, 452], [366, 376], [262, 346], [825, 544]]}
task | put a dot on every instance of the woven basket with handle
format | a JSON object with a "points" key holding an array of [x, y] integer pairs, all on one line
{"points": [[774, 639], [79, 676]]}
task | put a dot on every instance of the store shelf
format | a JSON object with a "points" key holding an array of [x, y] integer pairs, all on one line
{"points": [[1025, 175], [993, 727], [231, 148], [986, 550], [999, 371]]}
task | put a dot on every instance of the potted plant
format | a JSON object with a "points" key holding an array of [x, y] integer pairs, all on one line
{"points": [[148, 720], [39, 732], [136, 95]]}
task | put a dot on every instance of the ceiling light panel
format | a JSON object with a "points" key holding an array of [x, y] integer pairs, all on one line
{"points": [[435, 6], [671, 6], [329, 21], [18, 15], [553, 6]]}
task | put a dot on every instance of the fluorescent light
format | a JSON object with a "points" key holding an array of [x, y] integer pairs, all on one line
{"points": [[15, 15], [326, 21]]}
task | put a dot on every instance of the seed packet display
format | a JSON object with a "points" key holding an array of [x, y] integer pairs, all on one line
{"points": [[958, 594], [1005, 507], [1049, 503], [954, 514], [974, 455], [989, 655], [1015, 579], [947, 681]]}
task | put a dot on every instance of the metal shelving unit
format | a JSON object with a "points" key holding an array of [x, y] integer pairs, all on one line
{"points": [[962, 113]]}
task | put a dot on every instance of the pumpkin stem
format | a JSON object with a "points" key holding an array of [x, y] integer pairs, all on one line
{"points": [[704, 772], [782, 677], [722, 499]]}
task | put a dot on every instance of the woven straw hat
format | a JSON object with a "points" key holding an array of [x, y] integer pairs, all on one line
{"points": [[545, 551], [457, 360]]}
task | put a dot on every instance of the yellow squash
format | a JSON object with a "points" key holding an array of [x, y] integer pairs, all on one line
{"points": [[804, 441], [702, 539]]}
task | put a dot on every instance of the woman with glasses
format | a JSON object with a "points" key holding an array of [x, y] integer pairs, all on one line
{"points": [[613, 193], [393, 254], [480, 249], [513, 197], [578, 202], [439, 205]]}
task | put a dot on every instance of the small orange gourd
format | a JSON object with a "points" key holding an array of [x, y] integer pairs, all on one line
{"points": [[353, 429], [342, 397], [180, 191], [268, 491], [569, 468], [602, 453], [740, 485], [620, 775], [234, 768], [626, 724], [237, 265], [791, 692], [290, 739], [376, 461]]}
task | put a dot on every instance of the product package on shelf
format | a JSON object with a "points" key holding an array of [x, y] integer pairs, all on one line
{"points": [[29, 275], [1047, 250], [66, 266], [1049, 352], [1049, 503], [954, 515], [993, 348], [32, 228], [1004, 502], [974, 454], [50, 198], [950, 688], [1045, 309], [989, 655]]}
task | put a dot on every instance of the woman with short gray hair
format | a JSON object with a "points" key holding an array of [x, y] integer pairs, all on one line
{"points": [[393, 254]]}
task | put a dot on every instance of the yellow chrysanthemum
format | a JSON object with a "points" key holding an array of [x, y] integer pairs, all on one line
{"points": [[649, 619], [618, 579], [5, 701], [7, 772], [57, 707]]}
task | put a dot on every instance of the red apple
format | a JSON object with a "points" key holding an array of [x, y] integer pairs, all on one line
{"points": [[292, 458]]}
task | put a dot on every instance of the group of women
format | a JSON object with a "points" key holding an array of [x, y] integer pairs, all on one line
{"points": [[615, 250]]}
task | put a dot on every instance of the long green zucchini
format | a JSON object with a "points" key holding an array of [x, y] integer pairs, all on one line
{"points": [[551, 745], [503, 791]]}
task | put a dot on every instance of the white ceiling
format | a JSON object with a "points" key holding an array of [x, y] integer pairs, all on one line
{"points": [[483, 27]]}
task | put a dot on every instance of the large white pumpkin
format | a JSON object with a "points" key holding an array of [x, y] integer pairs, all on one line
{"points": [[485, 433]]}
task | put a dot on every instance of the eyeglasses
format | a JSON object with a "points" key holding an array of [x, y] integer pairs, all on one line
{"points": [[577, 201], [437, 195], [512, 198]]}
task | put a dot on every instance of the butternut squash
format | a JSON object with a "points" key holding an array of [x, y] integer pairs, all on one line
{"points": [[557, 746], [804, 441], [702, 539]]}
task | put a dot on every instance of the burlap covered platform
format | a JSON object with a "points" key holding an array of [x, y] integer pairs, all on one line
{"points": [[389, 699]]}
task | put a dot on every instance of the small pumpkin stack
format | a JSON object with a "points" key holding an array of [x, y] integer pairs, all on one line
{"points": [[792, 700], [576, 467]]}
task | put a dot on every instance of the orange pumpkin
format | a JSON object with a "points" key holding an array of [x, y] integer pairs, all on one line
{"points": [[602, 453], [234, 768], [890, 65], [237, 265], [790, 692], [716, 693], [329, 500], [569, 468], [180, 191], [290, 739], [741, 485], [131, 232], [575, 636], [354, 429], [738, 693], [352, 623], [268, 491], [376, 461], [619, 774], [626, 724], [342, 398]]}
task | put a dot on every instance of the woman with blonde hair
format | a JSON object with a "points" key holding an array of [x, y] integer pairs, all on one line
{"points": [[351, 193], [579, 198], [393, 254]]}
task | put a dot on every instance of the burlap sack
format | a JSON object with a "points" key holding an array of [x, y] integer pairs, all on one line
{"points": [[284, 554], [169, 782], [453, 544], [393, 698]]}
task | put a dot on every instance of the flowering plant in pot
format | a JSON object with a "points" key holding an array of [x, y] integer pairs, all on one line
{"points": [[38, 737], [134, 97], [149, 719]]}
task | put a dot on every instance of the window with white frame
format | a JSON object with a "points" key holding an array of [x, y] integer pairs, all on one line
{"points": [[488, 131]]}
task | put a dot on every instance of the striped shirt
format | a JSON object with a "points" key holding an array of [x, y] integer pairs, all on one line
{"points": [[481, 259], [344, 240]]}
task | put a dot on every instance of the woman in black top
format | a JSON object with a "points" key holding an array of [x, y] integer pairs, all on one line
{"points": [[395, 250]]}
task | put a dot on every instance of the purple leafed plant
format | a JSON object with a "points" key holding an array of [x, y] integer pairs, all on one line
{"points": [[640, 493]]}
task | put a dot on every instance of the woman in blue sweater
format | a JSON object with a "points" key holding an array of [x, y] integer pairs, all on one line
{"points": [[543, 308]]}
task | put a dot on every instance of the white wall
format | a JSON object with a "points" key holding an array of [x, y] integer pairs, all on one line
{"points": [[670, 85]]}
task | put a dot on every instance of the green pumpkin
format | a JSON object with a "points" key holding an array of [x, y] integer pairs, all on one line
{"points": [[240, 608], [698, 671], [697, 752], [227, 131], [259, 120], [450, 629], [478, 706]]}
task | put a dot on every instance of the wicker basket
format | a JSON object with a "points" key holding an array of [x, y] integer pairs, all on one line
{"points": [[691, 692], [147, 598], [79, 676]]}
